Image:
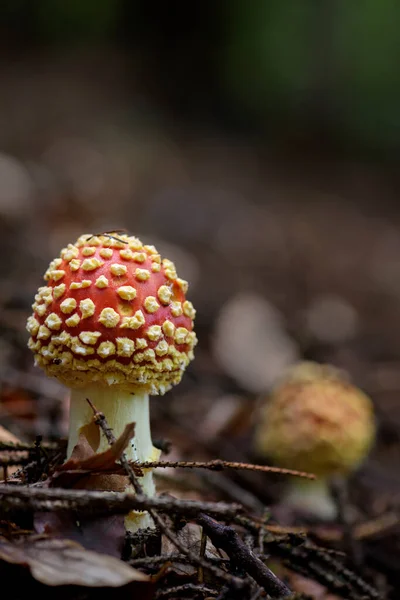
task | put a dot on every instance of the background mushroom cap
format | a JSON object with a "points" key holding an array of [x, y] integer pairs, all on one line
{"points": [[113, 312], [315, 421]]}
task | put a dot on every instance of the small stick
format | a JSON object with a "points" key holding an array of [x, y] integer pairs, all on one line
{"points": [[219, 465], [226, 538], [177, 590], [20, 447], [173, 558], [93, 501], [305, 557], [203, 545], [108, 234]]}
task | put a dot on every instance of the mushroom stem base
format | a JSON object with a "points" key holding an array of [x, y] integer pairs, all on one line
{"points": [[120, 408], [312, 498]]}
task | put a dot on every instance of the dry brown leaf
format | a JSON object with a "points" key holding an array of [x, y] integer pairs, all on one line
{"points": [[57, 562], [84, 458], [87, 470]]}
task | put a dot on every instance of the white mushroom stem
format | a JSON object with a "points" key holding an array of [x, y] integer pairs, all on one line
{"points": [[311, 497], [120, 407]]}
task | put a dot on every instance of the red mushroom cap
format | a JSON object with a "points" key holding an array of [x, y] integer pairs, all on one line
{"points": [[113, 312]]}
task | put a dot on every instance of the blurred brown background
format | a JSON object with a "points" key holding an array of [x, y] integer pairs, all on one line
{"points": [[256, 144]]}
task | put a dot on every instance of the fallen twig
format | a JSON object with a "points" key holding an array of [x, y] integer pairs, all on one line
{"points": [[219, 465], [21, 447], [186, 587], [226, 538], [149, 561], [305, 557], [98, 502]]}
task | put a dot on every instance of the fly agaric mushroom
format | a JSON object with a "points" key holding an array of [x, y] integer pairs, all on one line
{"points": [[113, 324], [315, 421]]}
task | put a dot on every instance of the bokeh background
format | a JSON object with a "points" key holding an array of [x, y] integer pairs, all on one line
{"points": [[257, 145]]}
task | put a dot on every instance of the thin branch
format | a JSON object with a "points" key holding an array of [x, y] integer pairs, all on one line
{"points": [[236, 582], [219, 465], [226, 538], [21, 447], [186, 587], [305, 557], [183, 559], [202, 553], [108, 234], [98, 502]]}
